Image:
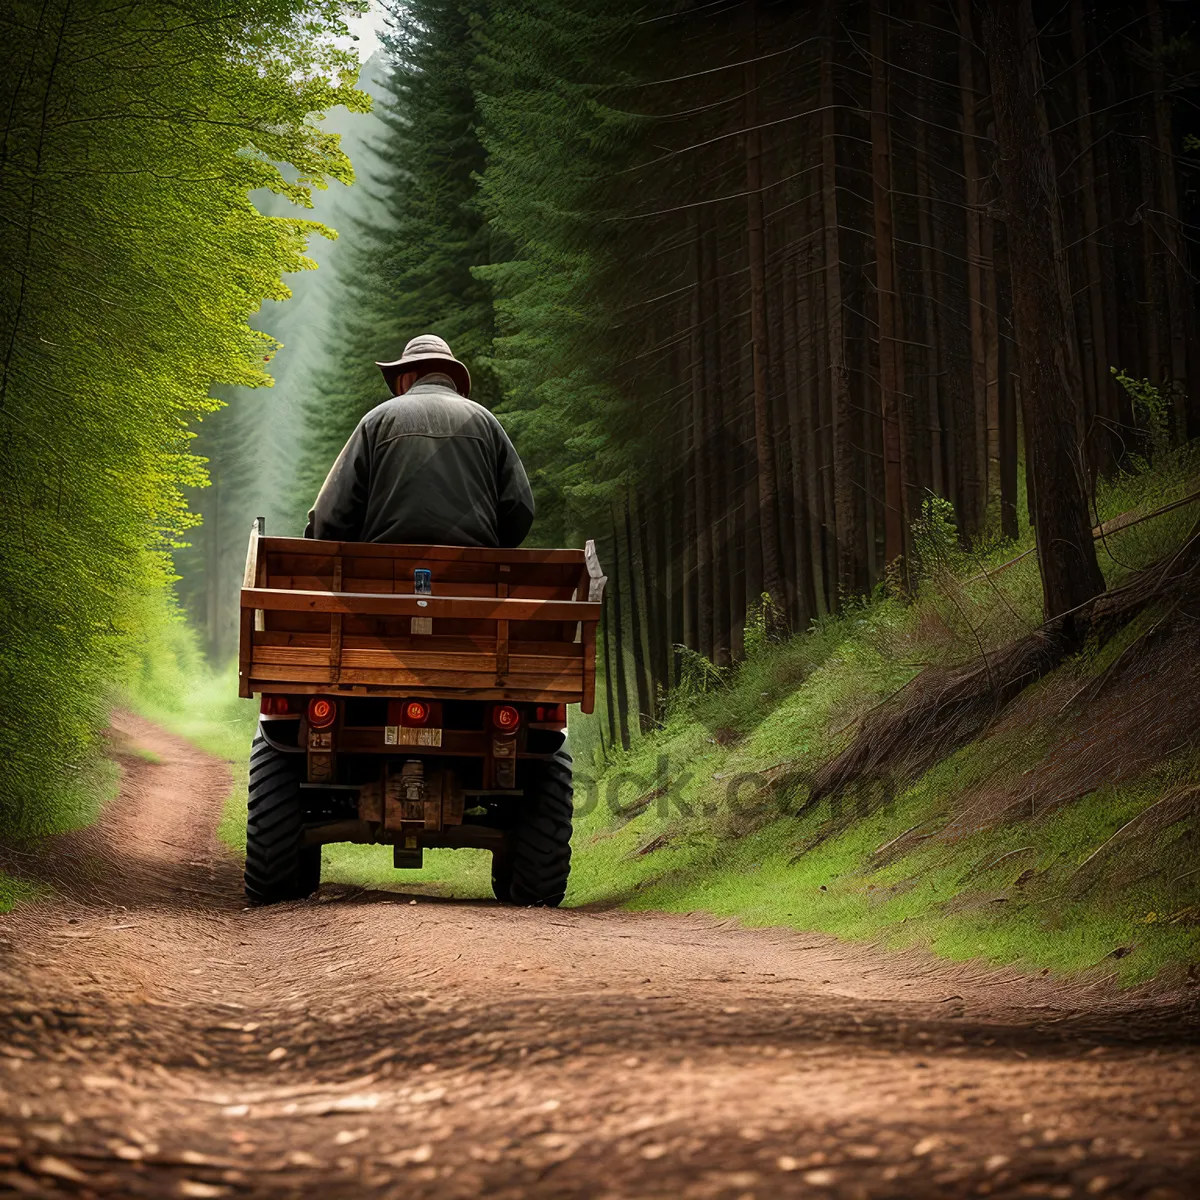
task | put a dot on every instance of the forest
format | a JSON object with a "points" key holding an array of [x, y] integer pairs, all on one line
{"points": [[769, 296], [859, 337]]}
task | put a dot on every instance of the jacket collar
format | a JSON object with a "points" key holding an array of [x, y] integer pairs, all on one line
{"points": [[434, 383]]}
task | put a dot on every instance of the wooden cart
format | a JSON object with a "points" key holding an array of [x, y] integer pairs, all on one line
{"points": [[345, 617]]}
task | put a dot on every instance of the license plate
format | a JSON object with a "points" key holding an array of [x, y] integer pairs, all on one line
{"points": [[404, 735]]}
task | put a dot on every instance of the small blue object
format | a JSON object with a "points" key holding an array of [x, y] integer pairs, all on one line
{"points": [[422, 582]]}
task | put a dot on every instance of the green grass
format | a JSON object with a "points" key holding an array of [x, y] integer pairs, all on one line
{"points": [[17, 891], [80, 802]]}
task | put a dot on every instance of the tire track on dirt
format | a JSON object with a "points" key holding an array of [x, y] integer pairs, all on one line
{"points": [[158, 1039]]}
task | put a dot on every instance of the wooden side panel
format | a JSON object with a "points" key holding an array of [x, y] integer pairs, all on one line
{"points": [[245, 652], [335, 629], [247, 620], [462, 607], [588, 703], [504, 622], [418, 660]]}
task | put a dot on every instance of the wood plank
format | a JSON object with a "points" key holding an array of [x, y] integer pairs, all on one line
{"points": [[324, 583], [417, 660], [274, 673], [335, 628], [482, 554], [457, 587], [245, 651], [588, 704], [250, 574], [460, 681], [366, 603], [248, 618], [425, 679], [502, 636], [401, 691], [424, 644]]}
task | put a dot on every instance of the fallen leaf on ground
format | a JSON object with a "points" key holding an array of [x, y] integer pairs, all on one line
{"points": [[820, 1178], [202, 1191], [58, 1168], [402, 1158]]}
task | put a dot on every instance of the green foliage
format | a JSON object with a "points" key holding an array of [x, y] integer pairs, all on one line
{"points": [[557, 146], [410, 268], [698, 677], [1150, 410], [133, 259], [766, 625], [935, 540]]}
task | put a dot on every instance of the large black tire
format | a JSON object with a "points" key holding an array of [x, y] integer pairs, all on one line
{"points": [[535, 868], [502, 875], [278, 864]]}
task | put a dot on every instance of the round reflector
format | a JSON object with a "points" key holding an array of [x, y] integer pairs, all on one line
{"points": [[321, 712], [416, 712], [506, 718]]}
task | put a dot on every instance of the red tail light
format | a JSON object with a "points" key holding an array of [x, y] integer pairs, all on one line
{"points": [[274, 706], [555, 714], [322, 712], [506, 718], [416, 713]]}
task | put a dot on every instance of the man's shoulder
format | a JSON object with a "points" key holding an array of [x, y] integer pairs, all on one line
{"points": [[417, 406]]}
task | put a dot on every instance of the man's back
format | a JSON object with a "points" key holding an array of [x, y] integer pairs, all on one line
{"points": [[429, 467]]}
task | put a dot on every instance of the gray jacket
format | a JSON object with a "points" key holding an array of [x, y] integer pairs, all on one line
{"points": [[430, 468]]}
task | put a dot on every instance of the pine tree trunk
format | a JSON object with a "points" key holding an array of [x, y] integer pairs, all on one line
{"points": [[810, 382], [699, 485], [847, 531], [1043, 310], [1178, 299], [609, 664], [973, 458], [694, 531], [618, 623], [1117, 402], [891, 358], [991, 341], [651, 534], [719, 466], [1154, 300], [764, 439], [928, 399], [799, 437], [1009, 462], [637, 625], [1100, 439]]}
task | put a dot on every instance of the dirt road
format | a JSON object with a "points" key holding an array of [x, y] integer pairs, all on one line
{"points": [[157, 1039]]}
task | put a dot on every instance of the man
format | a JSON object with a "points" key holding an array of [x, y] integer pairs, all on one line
{"points": [[429, 467]]}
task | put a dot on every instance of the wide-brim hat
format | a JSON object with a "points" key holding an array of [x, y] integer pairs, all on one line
{"points": [[427, 350]]}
